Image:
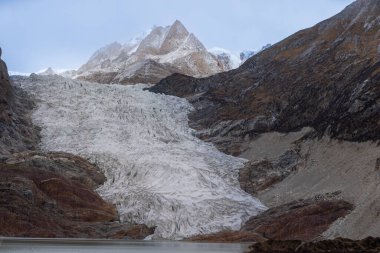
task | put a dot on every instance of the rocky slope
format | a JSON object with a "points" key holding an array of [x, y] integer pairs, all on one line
{"points": [[304, 219], [52, 195], [325, 77], [323, 81], [151, 57], [48, 194], [246, 54]]}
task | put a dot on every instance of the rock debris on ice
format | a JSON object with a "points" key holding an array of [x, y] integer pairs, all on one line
{"points": [[158, 173]]}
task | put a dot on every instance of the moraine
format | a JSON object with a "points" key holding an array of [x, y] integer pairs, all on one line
{"points": [[158, 173]]}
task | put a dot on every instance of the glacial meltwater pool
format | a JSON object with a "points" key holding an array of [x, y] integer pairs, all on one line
{"points": [[22, 245]]}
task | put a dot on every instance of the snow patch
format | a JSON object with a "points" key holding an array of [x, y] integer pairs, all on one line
{"points": [[16, 73]]}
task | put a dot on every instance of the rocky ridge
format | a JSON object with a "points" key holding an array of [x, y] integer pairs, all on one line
{"points": [[325, 77]]}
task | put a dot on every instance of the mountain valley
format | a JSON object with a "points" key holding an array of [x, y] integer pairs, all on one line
{"points": [[161, 138]]}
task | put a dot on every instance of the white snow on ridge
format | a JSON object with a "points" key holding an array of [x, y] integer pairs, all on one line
{"points": [[16, 73], [235, 60], [157, 172]]}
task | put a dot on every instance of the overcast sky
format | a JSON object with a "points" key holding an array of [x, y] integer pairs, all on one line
{"points": [[36, 34]]}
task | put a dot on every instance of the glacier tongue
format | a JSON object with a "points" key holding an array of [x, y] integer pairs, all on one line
{"points": [[157, 172]]}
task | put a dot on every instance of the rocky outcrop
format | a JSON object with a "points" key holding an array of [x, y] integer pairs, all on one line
{"points": [[17, 132], [299, 220], [150, 58], [52, 195], [5, 93], [259, 175], [338, 245], [305, 220], [325, 77]]}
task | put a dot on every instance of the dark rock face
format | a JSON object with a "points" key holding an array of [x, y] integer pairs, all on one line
{"points": [[17, 132], [52, 195], [303, 220], [326, 77], [260, 175], [338, 245], [5, 88]]}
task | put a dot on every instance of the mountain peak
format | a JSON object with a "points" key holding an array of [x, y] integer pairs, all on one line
{"points": [[178, 26], [176, 36], [173, 48], [46, 72]]}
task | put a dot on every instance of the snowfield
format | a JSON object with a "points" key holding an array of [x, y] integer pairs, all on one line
{"points": [[157, 172]]}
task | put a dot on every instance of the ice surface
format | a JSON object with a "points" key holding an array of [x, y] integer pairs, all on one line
{"points": [[157, 172]]}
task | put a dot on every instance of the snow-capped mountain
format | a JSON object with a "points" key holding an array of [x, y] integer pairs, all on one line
{"points": [[246, 54], [62, 72], [230, 60], [17, 73], [164, 50], [46, 72], [224, 56]]}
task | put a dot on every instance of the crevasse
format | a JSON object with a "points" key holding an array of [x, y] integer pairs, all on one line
{"points": [[157, 172]]}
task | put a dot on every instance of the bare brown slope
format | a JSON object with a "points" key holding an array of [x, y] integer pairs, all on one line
{"points": [[52, 195], [326, 77]]}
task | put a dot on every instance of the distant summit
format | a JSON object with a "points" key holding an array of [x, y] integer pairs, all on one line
{"points": [[246, 54], [50, 71], [151, 57], [46, 72]]}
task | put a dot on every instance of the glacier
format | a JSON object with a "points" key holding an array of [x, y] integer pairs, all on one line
{"points": [[158, 173]]}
